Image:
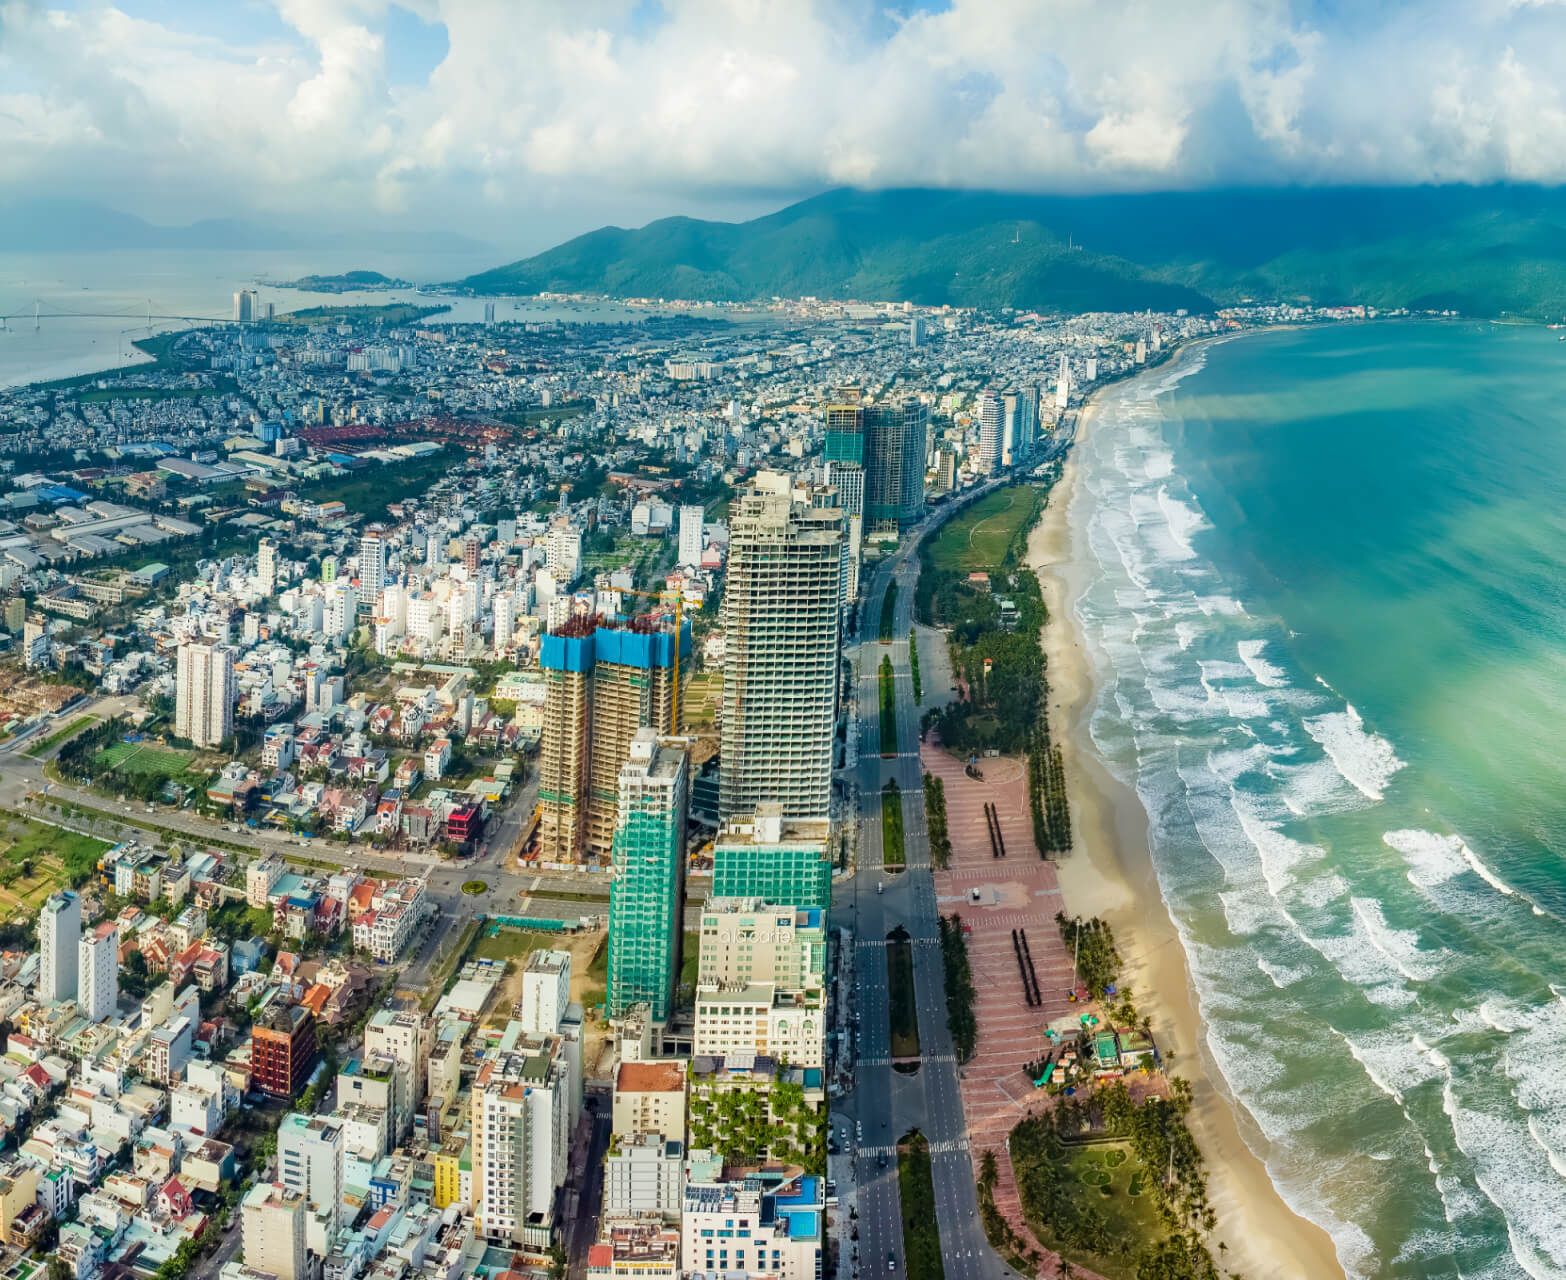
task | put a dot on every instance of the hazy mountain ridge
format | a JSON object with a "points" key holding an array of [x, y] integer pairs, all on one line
{"points": [[1480, 250], [44, 226]]}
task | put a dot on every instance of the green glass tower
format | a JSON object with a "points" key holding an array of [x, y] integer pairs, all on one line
{"points": [[646, 897]]}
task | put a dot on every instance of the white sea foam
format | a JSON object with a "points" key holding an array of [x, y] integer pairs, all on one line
{"points": [[1158, 464], [1400, 946], [1312, 787], [1279, 854], [1518, 1179], [1394, 1063], [1185, 632], [1366, 759], [1282, 975], [1226, 606], [1432, 859], [1265, 672]]}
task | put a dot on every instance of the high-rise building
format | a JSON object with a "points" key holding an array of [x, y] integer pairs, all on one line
{"points": [[283, 1051], [765, 855], [1028, 411], [245, 308], [782, 636], [894, 444], [645, 896], [546, 992], [1090, 374], [489, 313], [204, 693], [15, 614], [1063, 385], [505, 621], [522, 1117], [35, 642], [602, 684], [59, 936], [990, 425], [470, 554], [761, 981], [372, 560], [915, 332], [273, 1223], [266, 566], [310, 1151], [1010, 423], [98, 972], [692, 519]]}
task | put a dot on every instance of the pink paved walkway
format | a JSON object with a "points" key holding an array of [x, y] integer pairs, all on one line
{"points": [[1018, 891]]}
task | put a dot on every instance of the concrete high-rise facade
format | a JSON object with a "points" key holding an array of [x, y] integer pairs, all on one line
{"points": [[505, 621], [59, 937], [692, 519], [991, 423], [372, 561], [273, 1222], [98, 972], [246, 307], [602, 684], [646, 894], [204, 693], [783, 639], [266, 566], [1063, 385], [521, 1121], [310, 1151], [894, 439]]}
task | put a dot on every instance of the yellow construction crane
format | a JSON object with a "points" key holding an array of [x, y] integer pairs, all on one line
{"points": [[679, 599]]}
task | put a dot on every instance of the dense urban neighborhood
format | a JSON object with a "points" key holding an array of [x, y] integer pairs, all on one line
{"points": [[460, 785]]}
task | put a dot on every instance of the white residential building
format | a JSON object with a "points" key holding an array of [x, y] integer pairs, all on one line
{"points": [[204, 693], [98, 972], [59, 937]]}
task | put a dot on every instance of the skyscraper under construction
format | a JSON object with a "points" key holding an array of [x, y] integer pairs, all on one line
{"points": [[782, 635], [604, 681]]}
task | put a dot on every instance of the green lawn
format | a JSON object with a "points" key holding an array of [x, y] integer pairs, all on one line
{"points": [[58, 857], [894, 853], [916, 1190], [513, 944], [902, 1008], [1104, 1183], [977, 540], [60, 735], [142, 757]]}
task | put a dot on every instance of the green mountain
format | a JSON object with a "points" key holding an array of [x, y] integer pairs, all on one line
{"points": [[1478, 250]]}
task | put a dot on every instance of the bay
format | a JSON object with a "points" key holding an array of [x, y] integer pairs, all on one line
{"points": [[1330, 618]]}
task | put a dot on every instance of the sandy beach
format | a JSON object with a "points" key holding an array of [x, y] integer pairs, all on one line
{"points": [[1110, 874]]}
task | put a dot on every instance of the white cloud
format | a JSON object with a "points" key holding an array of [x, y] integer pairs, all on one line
{"points": [[542, 107]]}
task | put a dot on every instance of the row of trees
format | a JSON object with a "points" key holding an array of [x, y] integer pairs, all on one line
{"points": [[935, 821], [1092, 942], [961, 1019]]}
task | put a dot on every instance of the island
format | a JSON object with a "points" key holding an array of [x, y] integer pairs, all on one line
{"points": [[347, 282]]}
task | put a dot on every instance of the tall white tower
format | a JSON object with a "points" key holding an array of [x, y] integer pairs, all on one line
{"points": [[98, 972], [59, 933], [204, 693]]}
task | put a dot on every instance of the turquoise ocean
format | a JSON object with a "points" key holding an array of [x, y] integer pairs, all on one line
{"points": [[1327, 595]]}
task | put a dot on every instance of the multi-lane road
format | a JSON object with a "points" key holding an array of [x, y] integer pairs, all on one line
{"points": [[885, 1103]]}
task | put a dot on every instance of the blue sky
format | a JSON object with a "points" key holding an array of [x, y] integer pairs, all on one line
{"points": [[523, 121]]}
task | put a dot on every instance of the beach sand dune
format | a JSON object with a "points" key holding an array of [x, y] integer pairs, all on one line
{"points": [[1110, 874]]}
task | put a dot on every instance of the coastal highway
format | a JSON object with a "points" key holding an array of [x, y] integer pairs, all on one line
{"points": [[884, 1103]]}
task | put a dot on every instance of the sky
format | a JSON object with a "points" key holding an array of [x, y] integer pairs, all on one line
{"points": [[522, 122]]}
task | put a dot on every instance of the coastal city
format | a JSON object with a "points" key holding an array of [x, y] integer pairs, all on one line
{"points": [[535, 798]]}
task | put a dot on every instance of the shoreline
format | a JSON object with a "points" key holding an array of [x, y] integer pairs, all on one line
{"points": [[1110, 874]]}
